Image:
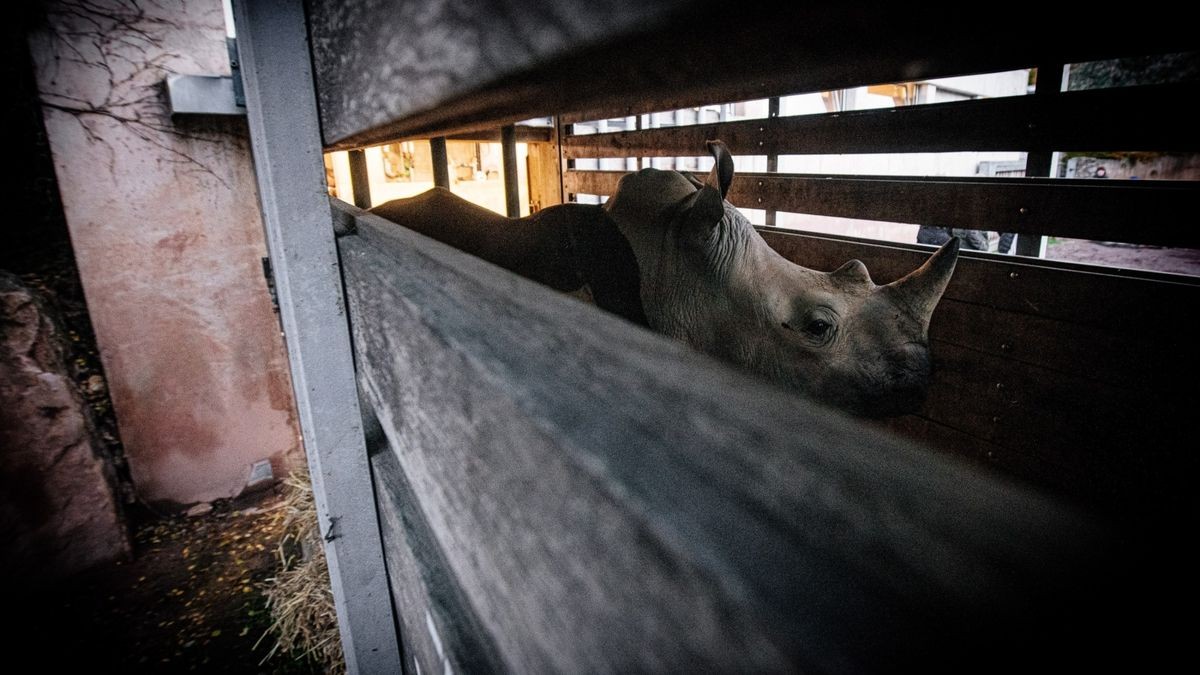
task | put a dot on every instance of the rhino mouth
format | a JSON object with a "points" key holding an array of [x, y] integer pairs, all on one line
{"points": [[893, 385]]}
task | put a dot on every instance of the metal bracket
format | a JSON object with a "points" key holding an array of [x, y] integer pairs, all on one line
{"points": [[235, 70], [270, 276], [202, 95], [209, 94]]}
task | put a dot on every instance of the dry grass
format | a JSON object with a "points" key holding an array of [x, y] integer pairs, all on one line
{"points": [[299, 597]]}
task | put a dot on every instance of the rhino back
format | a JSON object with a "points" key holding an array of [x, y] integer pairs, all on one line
{"points": [[566, 247], [535, 247]]}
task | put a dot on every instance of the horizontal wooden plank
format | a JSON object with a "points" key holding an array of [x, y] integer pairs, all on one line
{"points": [[524, 134], [1131, 118], [1124, 451], [1120, 355], [1012, 463], [438, 627], [392, 69], [1143, 212], [609, 500], [1048, 289]]}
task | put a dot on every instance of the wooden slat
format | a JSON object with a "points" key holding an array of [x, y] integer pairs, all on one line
{"points": [[1123, 451], [524, 134], [1132, 118], [1143, 212], [1049, 289], [1011, 463], [394, 69], [436, 622], [545, 175], [1121, 354], [608, 500]]}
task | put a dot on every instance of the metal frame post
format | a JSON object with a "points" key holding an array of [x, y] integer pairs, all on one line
{"points": [[441, 162], [1040, 162], [508, 153], [285, 138], [772, 157], [360, 178]]}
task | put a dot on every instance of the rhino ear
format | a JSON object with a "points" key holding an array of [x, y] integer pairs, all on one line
{"points": [[706, 207], [703, 215], [722, 172]]}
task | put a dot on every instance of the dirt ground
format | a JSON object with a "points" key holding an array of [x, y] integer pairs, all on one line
{"points": [[191, 600], [1126, 256]]}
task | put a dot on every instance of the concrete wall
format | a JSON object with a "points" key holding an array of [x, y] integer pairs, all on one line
{"points": [[166, 229]]}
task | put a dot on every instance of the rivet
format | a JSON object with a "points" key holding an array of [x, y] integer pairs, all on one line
{"points": [[1013, 275], [761, 129], [995, 419], [760, 200], [999, 385], [760, 142], [1023, 211], [1005, 347]]}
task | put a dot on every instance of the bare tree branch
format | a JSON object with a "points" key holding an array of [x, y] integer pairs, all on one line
{"points": [[125, 41]]}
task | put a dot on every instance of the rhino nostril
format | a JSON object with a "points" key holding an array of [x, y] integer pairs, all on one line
{"points": [[911, 359]]}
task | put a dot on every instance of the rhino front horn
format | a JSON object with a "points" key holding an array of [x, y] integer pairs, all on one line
{"points": [[921, 289]]}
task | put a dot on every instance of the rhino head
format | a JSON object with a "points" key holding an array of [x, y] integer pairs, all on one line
{"points": [[709, 279]]}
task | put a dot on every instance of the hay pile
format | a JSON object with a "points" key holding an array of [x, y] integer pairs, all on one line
{"points": [[299, 597]]}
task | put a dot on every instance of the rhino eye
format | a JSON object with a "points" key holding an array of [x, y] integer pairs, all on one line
{"points": [[817, 327]]}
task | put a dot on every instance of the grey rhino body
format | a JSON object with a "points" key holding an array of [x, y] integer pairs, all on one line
{"points": [[669, 252]]}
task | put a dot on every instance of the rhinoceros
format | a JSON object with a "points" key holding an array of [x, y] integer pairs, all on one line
{"points": [[669, 252]]}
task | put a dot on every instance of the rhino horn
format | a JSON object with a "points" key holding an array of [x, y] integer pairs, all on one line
{"points": [[853, 273], [921, 289]]}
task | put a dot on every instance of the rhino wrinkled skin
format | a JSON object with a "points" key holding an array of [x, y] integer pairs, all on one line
{"points": [[668, 251]]}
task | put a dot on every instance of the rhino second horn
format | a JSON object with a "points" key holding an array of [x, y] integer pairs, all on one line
{"points": [[921, 289], [854, 272]]}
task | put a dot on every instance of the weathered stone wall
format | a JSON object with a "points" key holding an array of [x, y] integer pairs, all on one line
{"points": [[58, 509], [164, 219]]}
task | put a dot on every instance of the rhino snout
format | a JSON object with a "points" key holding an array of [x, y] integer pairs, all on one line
{"points": [[905, 382], [893, 383]]}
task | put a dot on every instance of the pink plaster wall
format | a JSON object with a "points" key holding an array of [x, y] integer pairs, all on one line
{"points": [[165, 224]]}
